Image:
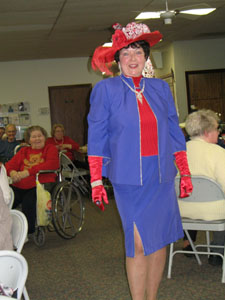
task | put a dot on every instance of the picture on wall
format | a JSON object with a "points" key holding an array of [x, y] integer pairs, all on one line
{"points": [[17, 113]]}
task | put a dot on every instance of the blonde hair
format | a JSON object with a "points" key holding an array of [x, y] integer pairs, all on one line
{"points": [[10, 125], [201, 121], [56, 126]]}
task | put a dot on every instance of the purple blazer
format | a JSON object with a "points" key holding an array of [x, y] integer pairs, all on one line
{"points": [[114, 129]]}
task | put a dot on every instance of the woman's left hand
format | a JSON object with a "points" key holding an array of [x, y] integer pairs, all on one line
{"points": [[23, 174], [186, 186]]}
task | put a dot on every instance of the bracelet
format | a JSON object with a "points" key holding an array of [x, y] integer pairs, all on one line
{"points": [[96, 183], [185, 175]]}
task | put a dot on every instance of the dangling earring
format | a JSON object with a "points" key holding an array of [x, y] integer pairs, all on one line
{"points": [[148, 70]]}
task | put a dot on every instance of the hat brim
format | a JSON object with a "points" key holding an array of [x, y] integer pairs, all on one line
{"points": [[104, 56]]}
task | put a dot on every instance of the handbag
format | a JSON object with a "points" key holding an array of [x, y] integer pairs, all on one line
{"points": [[44, 205]]}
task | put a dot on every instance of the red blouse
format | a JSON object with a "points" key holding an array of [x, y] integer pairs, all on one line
{"points": [[65, 140], [34, 160], [148, 123]]}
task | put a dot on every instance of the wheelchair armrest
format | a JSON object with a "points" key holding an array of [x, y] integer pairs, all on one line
{"points": [[47, 172]]}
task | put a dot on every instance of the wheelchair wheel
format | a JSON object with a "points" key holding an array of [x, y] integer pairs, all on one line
{"points": [[39, 236], [67, 210]]}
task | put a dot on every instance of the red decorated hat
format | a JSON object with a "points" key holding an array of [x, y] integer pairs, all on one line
{"points": [[123, 36]]}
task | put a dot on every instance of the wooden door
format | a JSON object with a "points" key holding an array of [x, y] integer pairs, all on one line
{"points": [[206, 89], [69, 105]]}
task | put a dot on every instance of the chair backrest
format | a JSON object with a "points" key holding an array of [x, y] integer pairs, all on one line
{"points": [[19, 229], [204, 190], [67, 167], [13, 271], [68, 171], [65, 161], [18, 147], [5, 297], [10, 204]]}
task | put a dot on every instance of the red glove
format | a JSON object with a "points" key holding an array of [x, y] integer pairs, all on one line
{"points": [[98, 190], [186, 186]]}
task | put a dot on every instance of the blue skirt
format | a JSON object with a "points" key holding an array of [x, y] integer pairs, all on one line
{"points": [[152, 207]]}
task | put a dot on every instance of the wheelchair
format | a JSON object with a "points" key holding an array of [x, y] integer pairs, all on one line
{"points": [[68, 209]]}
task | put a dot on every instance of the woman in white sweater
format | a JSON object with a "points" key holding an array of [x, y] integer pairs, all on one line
{"points": [[206, 158]]}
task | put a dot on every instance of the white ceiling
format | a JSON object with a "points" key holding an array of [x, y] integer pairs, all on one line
{"points": [[39, 29]]}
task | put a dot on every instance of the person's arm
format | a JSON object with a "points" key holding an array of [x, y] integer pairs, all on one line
{"points": [[14, 163], [2, 147], [16, 176], [186, 186], [98, 191], [13, 167], [98, 149], [70, 144], [219, 173]]}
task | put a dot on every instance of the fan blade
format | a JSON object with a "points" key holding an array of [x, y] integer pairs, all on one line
{"points": [[193, 6], [187, 16]]}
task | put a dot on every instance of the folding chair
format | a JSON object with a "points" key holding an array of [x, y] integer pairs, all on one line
{"points": [[204, 190], [19, 233], [68, 171], [13, 271]]}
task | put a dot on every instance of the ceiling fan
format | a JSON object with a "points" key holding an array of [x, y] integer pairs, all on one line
{"points": [[192, 11]]}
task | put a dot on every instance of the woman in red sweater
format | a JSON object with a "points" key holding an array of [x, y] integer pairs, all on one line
{"points": [[24, 166], [62, 142]]}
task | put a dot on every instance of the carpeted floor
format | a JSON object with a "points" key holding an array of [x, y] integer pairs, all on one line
{"points": [[91, 266]]}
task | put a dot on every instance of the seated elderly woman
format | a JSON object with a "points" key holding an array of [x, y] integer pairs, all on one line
{"points": [[61, 141], [205, 158], [24, 166]]}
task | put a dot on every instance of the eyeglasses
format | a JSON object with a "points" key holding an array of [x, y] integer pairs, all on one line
{"points": [[11, 131], [219, 129]]}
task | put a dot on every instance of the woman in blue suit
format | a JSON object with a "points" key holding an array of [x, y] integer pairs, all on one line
{"points": [[133, 139]]}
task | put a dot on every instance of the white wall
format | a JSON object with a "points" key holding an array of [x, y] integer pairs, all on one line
{"points": [[168, 66], [194, 56], [29, 81], [168, 61]]}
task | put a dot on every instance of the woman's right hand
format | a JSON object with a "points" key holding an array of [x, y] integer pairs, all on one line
{"points": [[14, 176], [98, 190], [17, 176], [99, 194]]}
